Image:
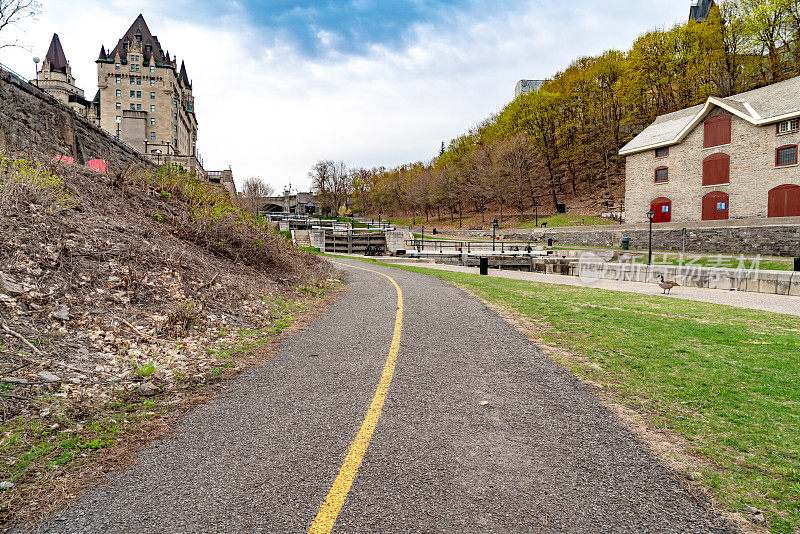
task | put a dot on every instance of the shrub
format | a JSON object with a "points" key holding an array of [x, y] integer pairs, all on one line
{"points": [[24, 180]]}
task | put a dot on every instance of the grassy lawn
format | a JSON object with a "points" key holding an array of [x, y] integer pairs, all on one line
{"points": [[731, 262], [563, 219], [724, 378]]}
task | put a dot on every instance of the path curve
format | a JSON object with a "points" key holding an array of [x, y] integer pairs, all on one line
{"points": [[479, 433]]}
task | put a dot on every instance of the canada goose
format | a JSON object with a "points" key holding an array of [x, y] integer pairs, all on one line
{"points": [[666, 285]]}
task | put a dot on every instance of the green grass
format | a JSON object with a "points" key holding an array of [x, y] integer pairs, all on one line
{"points": [[730, 262], [563, 219], [726, 379]]}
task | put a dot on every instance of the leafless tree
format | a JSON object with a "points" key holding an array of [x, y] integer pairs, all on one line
{"points": [[13, 12], [254, 190], [332, 182]]}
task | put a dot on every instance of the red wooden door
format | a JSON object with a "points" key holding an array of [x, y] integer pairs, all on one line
{"points": [[717, 169], [715, 206], [662, 207], [717, 131], [784, 201]]}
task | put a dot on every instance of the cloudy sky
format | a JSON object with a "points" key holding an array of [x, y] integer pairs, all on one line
{"points": [[280, 84]]}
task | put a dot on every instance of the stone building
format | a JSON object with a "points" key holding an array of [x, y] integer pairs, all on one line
{"points": [[730, 158], [55, 78], [145, 99], [300, 203], [526, 86], [699, 9]]}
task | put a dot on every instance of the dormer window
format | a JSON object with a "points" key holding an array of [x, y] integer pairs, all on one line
{"points": [[125, 46], [148, 49], [790, 126]]}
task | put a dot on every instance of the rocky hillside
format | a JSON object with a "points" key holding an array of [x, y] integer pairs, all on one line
{"points": [[120, 293]]}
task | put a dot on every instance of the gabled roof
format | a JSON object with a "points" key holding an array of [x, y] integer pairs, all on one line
{"points": [[766, 105], [55, 55], [140, 31]]}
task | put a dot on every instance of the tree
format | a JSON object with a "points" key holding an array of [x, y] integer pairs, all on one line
{"points": [[13, 12], [332, 182], [254, 191]]}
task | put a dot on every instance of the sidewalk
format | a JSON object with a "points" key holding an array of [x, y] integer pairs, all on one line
{"points": [[740, 299]]}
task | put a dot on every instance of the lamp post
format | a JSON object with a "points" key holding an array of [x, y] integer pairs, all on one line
{"points": [[536, 211], [118, 125], [650, 215], [494, 229], [158, 157], [423, 237], [36, 61]]}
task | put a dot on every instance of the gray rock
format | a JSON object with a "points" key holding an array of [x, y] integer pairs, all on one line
{"points": [[9, 286], [48, 376], [60, 312], [6, 485], [750, 509], [148, 389]]}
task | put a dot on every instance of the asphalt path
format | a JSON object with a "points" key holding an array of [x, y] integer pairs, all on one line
{"points": [[479, 433]]}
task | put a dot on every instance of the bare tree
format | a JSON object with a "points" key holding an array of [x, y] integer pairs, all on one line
{"points": [[254, 191], [332, 182], [13, 12]]}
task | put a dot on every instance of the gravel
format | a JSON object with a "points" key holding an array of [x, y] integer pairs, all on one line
{"points": [[480, 433]]}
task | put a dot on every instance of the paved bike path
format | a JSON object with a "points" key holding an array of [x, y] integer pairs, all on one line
{"points": [[541, 456]]}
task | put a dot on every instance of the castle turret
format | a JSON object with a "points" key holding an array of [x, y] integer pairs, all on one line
{"points": [[56, 79]]}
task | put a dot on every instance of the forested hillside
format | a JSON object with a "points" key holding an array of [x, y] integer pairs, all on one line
{"points": [[560, 143]]}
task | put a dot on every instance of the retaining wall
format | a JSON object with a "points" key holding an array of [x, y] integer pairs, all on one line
{"points": [[31, 121]]}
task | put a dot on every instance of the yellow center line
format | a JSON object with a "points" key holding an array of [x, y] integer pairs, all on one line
{"points": [[326, 517]]}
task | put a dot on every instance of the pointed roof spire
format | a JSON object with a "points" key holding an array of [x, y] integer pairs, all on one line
{"points": [[55, 55], [102, 52], [140, 32], [183, 77]]}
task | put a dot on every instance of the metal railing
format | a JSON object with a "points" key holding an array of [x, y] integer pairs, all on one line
{"points": [[453, 246]]}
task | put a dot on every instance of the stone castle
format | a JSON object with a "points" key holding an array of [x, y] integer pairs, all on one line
{"points": [[144, 99]]}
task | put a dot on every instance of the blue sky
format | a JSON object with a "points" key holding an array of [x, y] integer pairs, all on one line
{"points": [[279, 84]]}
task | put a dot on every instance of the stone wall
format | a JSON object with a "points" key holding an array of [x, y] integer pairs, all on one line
{"points": [[31, 121], [751, 237], [752, 173]]}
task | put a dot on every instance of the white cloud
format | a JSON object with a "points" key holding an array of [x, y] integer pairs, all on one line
{"points": [[271, 112]]}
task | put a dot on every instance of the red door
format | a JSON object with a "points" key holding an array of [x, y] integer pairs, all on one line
{"points": [[784, 201], [662, 207], [715, 206]]}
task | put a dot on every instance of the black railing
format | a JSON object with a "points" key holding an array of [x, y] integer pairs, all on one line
{"points": [[445, 245]]}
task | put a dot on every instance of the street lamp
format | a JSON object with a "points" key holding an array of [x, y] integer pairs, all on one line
{"points": [[650, 215], [423, 237], [36, 61], [158, 157], [494, 229], [118, 122]]}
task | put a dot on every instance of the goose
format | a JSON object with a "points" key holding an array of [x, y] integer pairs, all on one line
{"points": [[666, 285]]}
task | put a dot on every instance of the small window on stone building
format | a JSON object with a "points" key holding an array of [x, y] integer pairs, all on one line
{"points": [[119, 92], [789, 126], [662, 152], [116, 66], [119, 105], [118, 79], [138, 94], [133, 67], [662, 175], [152, 136], [132, 80], [138, 81], [133, 94], [152, 95], [152, 109], [152, 68], [138, 106], [152, 82], [153, 121], [133, 107], [786, 155]]}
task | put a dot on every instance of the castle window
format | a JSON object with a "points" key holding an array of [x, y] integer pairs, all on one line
{"points": [[133, 67], [152, 95], [138, 106], [148, 49], [118, 79], [116, 67], [132, 80], [152, 121], [138, 81], [152, 109], [786, 155], [789, 126], [662, 152], [119, 105], [152, 82], [152, 136], [152, 68], [133, 107], [138, 94], [119, 93], [133, 94]]}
